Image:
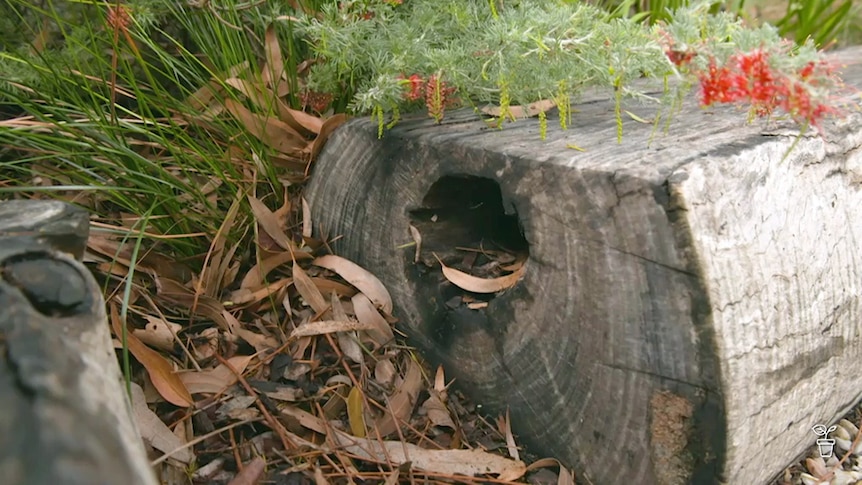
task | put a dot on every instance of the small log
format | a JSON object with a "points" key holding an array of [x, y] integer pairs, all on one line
{"points": [[691, 302], [65, 416]]}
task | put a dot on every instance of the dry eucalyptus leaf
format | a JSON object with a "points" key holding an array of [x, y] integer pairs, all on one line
{"points": [[520, 112], [384, 372], [308, 290], [269, 223], [504, 424], [481, 285], [273, 69], [158, 333], [377, 326], [436, 410], [306, 219], [164, 379], [251, 473], [212, 381], [275, 133], [359, 277], [286, 393], [400, 405], [153, 431], [565, 477], [329, 126], [256, 340], [445, 462], [348, 342]]}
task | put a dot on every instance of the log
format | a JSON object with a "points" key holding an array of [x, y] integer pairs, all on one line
{"points": [[65, 416], [691, 302]]}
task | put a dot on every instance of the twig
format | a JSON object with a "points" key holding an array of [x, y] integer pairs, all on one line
{"points": [[200, 439], [275, 425]]}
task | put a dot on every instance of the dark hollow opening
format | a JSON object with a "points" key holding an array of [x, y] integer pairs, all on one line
{"points": [[462, 221]]}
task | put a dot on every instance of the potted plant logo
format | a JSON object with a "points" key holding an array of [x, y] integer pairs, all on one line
{"points": [[824, 444]]}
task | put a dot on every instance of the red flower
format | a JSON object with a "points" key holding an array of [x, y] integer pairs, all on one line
{"points": [[315, 100], [415, 84], [756, 80], [118, 17], [437, 97], [718, 85]]}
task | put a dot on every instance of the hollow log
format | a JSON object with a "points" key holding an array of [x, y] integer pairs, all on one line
{"points": [[65, 416], [691, 301]]}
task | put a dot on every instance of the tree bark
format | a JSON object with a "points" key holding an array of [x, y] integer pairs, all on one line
{"points": [[65, 416], [690, 307]]}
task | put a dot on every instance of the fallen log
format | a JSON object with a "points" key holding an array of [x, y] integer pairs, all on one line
{"points": [[690, 303], [65, 417]]}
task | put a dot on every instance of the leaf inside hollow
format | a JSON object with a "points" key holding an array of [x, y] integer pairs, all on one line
{"points": [[481, 285]]}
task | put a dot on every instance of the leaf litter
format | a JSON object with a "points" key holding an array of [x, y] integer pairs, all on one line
{"points": [[277, 360]]}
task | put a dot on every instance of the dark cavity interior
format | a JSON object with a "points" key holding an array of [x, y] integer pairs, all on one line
{"points": [[462, 221]]}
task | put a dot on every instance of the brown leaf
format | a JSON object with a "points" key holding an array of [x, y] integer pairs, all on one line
{"points": [[158, 333], [174, 292], [273, 70], [565, 476], [269, 222], [244, 296], [216, 261], [154, 431], [504, 426], [277, 134], [384, 372], [437, 412], [308, 290], [211, 381], [251, 473], [348, 342], [528, 111], [443, 462], [400, 406], [359, 277], [377, 326], [481, 285], [326, 130], [306, 219], [256, 275], [299, 120], [328, 286], [159, 369], [259, 342]]}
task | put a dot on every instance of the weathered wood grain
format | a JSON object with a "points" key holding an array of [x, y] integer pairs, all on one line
{"points": [[691, 302], [65, 416]]}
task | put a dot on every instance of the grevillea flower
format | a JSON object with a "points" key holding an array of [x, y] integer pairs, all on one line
{"points": [[718, 85], [437, 97], [119, 17], [755, 80], [415, 84], [315, 100], [749, 77]]}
